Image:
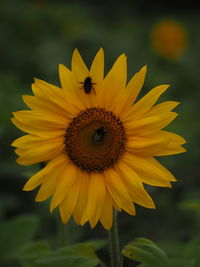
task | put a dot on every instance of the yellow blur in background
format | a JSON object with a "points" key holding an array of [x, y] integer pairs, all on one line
{"points": [[169, 39]]}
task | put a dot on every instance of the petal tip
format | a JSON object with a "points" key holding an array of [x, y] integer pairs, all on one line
{"points": [[93, 224], [122, 57], [26, 187], [18, 161], [169, 185], [144, 68], [60, 66], [184, 149], [37, 199], [166, 85], [14, 143], [153, 206], [12, 120], [100, 50], [14, 115], [75, 52], [52, 209]]}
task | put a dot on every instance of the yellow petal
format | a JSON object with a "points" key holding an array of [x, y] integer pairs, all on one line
{"points": [[72, 89], [175, 138], [79, 69], [148, 125], [114, 83], [64, 185], [171, 149], [117, 76], [135, 85], [39, 177], [118, 191], [146, 146], [50, 92], [61, 100], [48, 107], [45, 133], [96, 195], [47, 89], [48, 186], [162, 108], [97, 68], [80, 73], [128, 96], [97, 75], [149, 170], [145, 103], [161, 169], [58, 97], [67, 206], [66, 78], [135, 186], [106, 217], [158, 144], [152, 144], [19, 151], [30, 140], [116, 206], [42, 151], [40, 120], [81, 204]]}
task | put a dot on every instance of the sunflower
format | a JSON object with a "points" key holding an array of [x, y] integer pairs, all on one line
{"points": [[98, 146], [169, 39]]}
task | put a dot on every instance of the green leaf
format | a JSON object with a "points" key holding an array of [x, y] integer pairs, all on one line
{"points": [[192, 248], [16, 233], [145, 251], [31, 252], [182, 263], [197, 262], [97, 243], [78, 255], [191, 201], [193, 205]]}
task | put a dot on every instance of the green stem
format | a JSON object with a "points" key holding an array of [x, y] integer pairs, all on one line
{"points": [[114, 243]]}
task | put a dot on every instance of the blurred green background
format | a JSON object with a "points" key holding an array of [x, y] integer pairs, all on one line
{"points": [[35, 37]]}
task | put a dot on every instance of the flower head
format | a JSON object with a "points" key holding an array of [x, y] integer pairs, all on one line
{"points": [[169, 39], [98, 145]]}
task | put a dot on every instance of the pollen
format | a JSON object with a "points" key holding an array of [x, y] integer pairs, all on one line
{"points": [[93, 156]]}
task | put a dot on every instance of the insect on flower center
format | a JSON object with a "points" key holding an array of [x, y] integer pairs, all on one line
{"points": [[95, 139]]}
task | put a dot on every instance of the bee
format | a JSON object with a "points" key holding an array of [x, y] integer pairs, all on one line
{"points": [[88, 85], [98, 135]]}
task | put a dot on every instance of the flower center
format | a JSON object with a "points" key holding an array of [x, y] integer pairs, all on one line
{"points": [[95, 139]]}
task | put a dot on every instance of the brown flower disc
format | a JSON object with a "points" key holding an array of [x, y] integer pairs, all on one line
{"points": [[95, 139]]}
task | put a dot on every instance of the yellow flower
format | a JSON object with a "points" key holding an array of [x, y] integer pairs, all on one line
{"points": [[98, 146], [169, 39]]}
